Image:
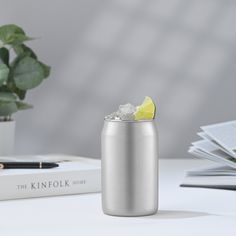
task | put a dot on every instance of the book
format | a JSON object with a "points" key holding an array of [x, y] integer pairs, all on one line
{"points": [[75, 175], [217, 144], [221, 177]]}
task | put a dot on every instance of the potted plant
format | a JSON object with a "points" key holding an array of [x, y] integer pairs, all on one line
{"points": [[17, 75]]}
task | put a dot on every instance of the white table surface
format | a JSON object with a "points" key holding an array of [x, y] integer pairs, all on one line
{"points": [[182, 211]]}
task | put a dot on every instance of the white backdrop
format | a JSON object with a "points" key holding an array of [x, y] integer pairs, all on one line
{"points": [[109, 52]]}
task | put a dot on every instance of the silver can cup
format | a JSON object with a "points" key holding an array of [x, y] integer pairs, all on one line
{"points": [[129, 168]]}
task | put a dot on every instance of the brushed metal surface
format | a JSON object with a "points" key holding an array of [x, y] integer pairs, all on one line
{"points": [[129, 168]]}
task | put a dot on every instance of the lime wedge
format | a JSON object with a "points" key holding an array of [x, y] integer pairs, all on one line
{"points": [[146, 111]]}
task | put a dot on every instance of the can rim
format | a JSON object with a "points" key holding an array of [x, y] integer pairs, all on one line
{"points": [[129, 121]]}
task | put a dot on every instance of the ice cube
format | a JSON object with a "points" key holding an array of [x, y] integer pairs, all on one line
{"points": [[127, 108], [126, 112], [113, 116], [127, 116]]}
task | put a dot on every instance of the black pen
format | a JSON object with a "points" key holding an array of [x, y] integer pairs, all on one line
{"points": [[27, 165]]}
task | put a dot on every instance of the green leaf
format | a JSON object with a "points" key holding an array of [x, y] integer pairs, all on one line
{"points": [[7, 108], [16, 60], [28, 73], [12, 34], [20, 93], [7, 97], [4, 71], [11, 29], [4, 88], [11, 87], [4, 56], [46, 69], [23, 106], [24, 50], [18, 39]]}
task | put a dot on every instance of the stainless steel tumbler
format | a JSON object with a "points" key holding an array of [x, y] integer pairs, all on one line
{"points": [[129, 168]]}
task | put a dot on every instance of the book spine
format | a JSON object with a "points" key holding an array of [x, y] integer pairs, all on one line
{"points": [[49, 184]]}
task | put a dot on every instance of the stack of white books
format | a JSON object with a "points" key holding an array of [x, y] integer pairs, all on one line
{"points": [[218, 144]]}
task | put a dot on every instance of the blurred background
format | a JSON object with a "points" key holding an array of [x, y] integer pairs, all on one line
{"points": [[104, 53]]}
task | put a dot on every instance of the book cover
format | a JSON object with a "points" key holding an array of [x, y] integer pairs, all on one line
{"points": [[75, 175], [220, 177]]}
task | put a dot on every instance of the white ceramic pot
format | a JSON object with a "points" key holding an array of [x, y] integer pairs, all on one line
{"points": [[7, 137]]}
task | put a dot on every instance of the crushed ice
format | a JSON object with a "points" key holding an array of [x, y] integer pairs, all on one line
{"points": [[125, 112]]}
